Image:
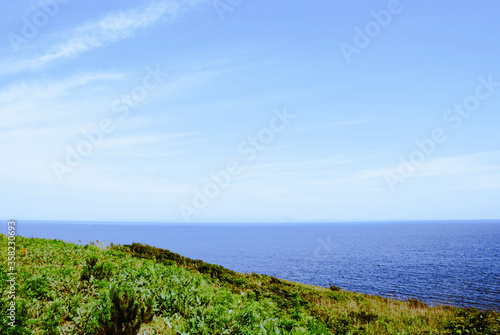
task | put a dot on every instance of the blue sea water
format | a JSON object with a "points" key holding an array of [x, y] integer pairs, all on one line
{"points": [[454, 263]]}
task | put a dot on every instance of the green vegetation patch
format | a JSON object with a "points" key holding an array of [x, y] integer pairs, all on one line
{"points": [[62, 288]]}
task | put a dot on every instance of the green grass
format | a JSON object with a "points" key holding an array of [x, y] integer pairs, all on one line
{"points": [[62, 288]]}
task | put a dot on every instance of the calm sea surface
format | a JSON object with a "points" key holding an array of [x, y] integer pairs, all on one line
{"points": [[456, 263]]}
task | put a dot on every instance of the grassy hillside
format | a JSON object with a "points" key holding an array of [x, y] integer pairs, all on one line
{"points": [[62, 288]]}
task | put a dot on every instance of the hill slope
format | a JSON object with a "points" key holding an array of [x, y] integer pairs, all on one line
{"points": [[63, 288]]}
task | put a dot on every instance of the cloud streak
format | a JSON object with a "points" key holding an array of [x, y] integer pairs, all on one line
{"points": [[144, 139], [27, 102], [478, 171], [111, 28], [323, 126]]}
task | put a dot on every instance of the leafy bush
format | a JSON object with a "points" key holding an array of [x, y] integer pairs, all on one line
{"points": [[21, 320], [474, 322], [37, 287], [123, 314], [167, 257], [334, 288], [54, 316], [93, 269], [363, 316], [317, 328], [415, 303]]}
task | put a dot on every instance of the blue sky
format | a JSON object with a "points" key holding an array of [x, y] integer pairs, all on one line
{"points": [[202, 78]]}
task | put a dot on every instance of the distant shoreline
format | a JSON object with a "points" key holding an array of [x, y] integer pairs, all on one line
{"points": [[114, 222]]}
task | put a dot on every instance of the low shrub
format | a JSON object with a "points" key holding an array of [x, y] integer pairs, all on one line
{"points": [[95, 270], [474, 322], [122, 314], [334, 288], [37, 288], [415, 303]]}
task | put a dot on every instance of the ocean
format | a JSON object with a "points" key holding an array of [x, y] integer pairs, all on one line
{"points": [[438, 262]]}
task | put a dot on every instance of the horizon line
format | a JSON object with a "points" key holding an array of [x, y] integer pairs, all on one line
{"points": [[256, 221]]}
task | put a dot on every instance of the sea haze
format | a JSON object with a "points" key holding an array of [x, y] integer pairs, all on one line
{"points": [[455, 263]]}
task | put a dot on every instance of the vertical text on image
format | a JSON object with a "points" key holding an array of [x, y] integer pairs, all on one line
{"points": [[11, 275]]}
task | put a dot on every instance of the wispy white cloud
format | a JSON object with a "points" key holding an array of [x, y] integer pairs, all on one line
{"points": [[27, 102], [112, 28], [143, 139], [356, 175], [38, 118], [479, 171], [327, 125], [54, 89], [337, 174]]}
